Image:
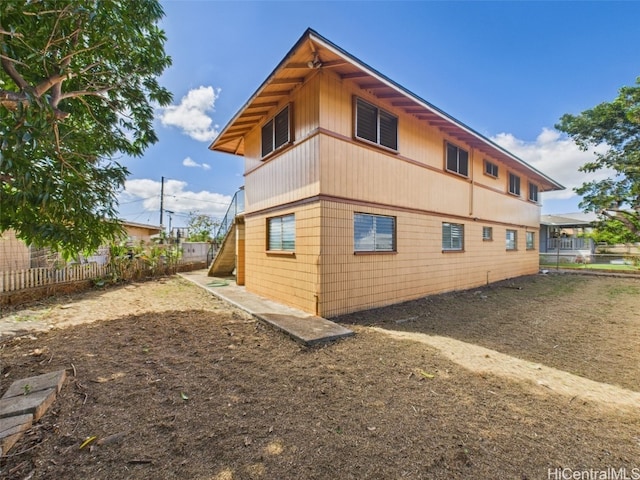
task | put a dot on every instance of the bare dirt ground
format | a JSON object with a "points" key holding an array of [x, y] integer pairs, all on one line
{"points": [[506, 381]]}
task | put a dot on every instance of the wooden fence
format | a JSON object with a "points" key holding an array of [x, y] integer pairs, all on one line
{"points": [[14, 280]]}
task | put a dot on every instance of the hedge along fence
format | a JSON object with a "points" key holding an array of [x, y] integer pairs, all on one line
{"points": [[122, 263]]}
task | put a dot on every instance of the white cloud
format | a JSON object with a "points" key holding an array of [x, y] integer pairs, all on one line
{"points": [[191, 114], [189, 162], [177, 197], [555, 155]]}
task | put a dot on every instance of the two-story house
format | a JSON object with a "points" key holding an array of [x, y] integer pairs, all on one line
{"points": [[359, 193]]}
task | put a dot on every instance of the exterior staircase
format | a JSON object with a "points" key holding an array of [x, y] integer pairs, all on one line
{"points": [[224, 260]]}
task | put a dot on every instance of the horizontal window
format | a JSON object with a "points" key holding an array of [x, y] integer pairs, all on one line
{"points": [[281, 233], [533, 192], [374, 233], [490, 169], [376, 125], [512, 240], [457, 160], [487, 233], [276, 132], [514, 184], [452, 236]]}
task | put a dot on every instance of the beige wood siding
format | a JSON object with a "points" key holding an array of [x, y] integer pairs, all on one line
{"points": [[14, 254], [291, 173], [290, 279], [419, 267], [326, 176]]}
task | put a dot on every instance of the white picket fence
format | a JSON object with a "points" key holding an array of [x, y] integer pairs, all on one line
{"points": [[11, 281]]}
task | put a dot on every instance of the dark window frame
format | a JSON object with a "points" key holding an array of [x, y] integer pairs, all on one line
{"points": [[382, 121], [489, 237], [534, 192], [491, 169], [275, 135], [458, 165], [514, 184]]}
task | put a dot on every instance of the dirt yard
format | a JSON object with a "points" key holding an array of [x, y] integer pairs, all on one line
{"points": [[506, 381]]}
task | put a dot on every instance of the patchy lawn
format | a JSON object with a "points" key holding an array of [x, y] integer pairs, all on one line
{"points": [[176, 384]]}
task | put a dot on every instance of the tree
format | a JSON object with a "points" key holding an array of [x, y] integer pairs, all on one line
{"points": [[78, 84], [200, 227], [615, 125]]}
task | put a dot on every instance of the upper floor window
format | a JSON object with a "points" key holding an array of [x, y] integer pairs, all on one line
{"points": [[490, 169], [276, 132], [514, 184], [533, 192], [452, 236], [457, 160], [281, 232], [376, 125]]}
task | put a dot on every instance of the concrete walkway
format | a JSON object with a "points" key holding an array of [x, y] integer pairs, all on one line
{"points": [[303, 327]]}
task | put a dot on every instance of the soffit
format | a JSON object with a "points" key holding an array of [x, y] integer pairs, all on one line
{"points": [[298, 66]]}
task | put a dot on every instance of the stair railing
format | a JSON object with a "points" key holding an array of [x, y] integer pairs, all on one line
{"points": [[235, 207]]}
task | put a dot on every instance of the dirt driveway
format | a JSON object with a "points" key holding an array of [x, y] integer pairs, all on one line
{"points": [[510, 381]]}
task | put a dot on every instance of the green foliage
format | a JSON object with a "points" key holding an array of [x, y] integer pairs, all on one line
{"points": [[133, 262], [78, 85], [612, 232], [615, 125], [201, 227]]}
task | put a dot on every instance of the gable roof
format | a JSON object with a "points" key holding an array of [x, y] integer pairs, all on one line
{"points": [[313, 51]]}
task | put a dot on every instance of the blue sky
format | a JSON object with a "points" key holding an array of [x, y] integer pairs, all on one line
{"points": [[509, 70]]}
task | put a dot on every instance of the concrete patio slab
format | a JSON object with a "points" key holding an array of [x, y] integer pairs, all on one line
{"points": [[301, 326]]}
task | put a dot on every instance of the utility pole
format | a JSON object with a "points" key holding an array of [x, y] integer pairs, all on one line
{"points": [[161, 199]]}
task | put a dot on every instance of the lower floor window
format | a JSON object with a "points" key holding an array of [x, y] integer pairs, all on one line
{"points": [[531, 238], [374, 233], [452, 236], [512, 239], [281, 233], [487, 233]]}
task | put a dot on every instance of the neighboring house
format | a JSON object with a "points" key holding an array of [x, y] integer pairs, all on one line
{"points": [[563, 235], [358, 193], [16, 255]]}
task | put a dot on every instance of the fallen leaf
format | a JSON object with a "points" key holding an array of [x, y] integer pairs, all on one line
{"points": [[87, 442], [184, 396], [426, 374]]}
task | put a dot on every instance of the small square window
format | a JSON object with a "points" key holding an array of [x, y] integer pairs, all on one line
{"points": [[452, 236], [490, 169], [531, 240], [514, 184], [487, 234], [512, 239], [533, 192]]}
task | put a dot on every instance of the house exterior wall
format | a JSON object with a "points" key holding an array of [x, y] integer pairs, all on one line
{"points": [[327, 176], [14, 254], [288, 278]]}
